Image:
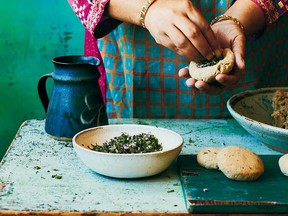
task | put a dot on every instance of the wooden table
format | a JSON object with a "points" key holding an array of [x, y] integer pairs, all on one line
{"points": [[43, 176]]}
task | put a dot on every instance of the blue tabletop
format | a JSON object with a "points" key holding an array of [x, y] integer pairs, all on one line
{"points": [[39, 173]]}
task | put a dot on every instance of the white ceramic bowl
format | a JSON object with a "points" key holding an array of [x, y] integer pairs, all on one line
{"points": [[253, 109], [127, 165]]}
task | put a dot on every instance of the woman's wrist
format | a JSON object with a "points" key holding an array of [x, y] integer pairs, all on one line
{"points": [[144, 10], [268, 8], [249, 15], [126, 11], [224, 17]]}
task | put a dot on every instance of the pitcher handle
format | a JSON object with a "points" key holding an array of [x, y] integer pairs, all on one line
{"points": [[42, 91]]}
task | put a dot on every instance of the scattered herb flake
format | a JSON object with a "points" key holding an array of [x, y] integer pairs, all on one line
{"points": [[37, 167], [57, 176], [170, 191]]}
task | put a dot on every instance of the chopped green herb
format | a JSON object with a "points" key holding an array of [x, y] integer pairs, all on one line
{"points": [[170, 191], [37, 167], [207, 63], [57, 176], [126, 144]]}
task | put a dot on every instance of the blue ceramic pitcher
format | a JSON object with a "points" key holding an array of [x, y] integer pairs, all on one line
{"points": [[76, 101]]}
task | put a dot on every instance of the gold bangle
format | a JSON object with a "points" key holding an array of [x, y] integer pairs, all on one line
{"points": [[227, 17], [144, 11]]}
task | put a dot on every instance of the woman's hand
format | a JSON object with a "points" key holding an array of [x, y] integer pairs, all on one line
{"points": [[229, 34], [179, 26]]}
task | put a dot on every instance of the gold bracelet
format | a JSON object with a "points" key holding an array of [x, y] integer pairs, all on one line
{"points": [[227, 17], [144, 11]]}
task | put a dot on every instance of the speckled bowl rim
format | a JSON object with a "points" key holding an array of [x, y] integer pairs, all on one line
{"points": [[180, 145], [240, 96]]}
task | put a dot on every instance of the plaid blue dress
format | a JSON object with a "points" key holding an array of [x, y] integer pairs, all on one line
{"points": [[142, 77]]}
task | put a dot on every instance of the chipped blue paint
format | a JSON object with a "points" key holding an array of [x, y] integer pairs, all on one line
{"points": [[31, 35], [28, 171]]}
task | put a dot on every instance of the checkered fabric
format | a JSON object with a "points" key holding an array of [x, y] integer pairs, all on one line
{"points": [[142, 80]]}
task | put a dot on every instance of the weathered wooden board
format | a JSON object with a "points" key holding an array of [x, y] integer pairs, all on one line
{"points": [[29, 188], [211, 191]]}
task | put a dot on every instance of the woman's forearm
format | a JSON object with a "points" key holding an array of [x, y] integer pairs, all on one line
{"points": [[249, 15], [125, 11], [246, 11]]}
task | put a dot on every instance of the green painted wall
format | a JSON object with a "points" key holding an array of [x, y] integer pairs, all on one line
{"points": [[32, 33]]}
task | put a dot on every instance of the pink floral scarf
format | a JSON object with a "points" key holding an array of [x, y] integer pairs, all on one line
{"points": [[90, 14]]}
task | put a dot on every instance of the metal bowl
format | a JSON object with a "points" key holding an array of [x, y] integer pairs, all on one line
{"points": [[135, 165], [252, 109]]}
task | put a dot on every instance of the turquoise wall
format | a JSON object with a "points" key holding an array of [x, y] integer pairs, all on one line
{"points": [[32, 33]]}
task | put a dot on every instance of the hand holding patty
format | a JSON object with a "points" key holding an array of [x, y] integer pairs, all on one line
{"points": [[214, 79], [208, 70], [230, 36]]}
